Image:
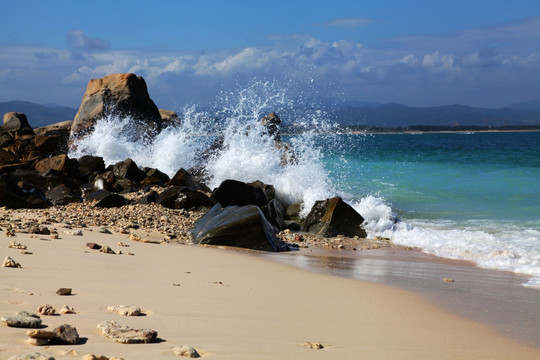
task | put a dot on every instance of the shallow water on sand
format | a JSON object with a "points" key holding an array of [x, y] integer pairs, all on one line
{"points": [[495, 298]]}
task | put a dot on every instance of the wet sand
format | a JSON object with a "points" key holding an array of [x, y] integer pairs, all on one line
{"points": [[496, 298]]}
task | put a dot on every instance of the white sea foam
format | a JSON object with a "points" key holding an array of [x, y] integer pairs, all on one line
{"points": [[496, 245]]}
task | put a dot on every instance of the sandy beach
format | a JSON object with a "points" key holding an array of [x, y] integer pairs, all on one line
{"points": [[225, 303]]}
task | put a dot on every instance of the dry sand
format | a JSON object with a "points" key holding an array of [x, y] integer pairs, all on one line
{"points": [[226, 304]]}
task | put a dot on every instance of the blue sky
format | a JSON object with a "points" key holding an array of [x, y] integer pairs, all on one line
{"points": [[420, 53]]}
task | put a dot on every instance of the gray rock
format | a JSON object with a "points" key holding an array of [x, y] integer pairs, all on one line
{"points": [[125, 334], [67, 334], [22, 319]]}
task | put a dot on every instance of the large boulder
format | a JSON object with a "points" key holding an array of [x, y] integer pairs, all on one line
{"points": [[332, 217], [238, 226], [116, 94]]}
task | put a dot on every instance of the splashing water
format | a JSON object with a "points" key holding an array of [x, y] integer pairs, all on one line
{"points": [[248, 154]]}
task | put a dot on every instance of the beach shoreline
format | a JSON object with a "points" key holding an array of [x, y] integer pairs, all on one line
{"points": [[230, 304]]}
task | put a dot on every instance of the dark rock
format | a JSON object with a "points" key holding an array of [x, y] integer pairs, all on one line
{"points": [[151, 197], [155, 177], [89, 164], [184, 178], [5, 138], [11, 195], [62, 195], [243, 226], [269, 190], [271, 124], [50, 145], [106, 199], [67, 334], [93, 246], [332, 217], [117, 95], [293, 211], [275, 213], [128, 169], [182, 197], [232, 192], [36, 200], [191, 199], [64, 291]]}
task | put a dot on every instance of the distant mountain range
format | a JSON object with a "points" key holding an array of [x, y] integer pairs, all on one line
{"points": [[39, 115], [391, 115]]}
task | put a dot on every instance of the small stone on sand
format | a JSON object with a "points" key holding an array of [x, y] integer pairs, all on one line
{"points": [[16, 245], [313, 345], [46, 309], [67, 310], [64, 291], [107, 250], [125, 310], [9, 262], [186, 351]]}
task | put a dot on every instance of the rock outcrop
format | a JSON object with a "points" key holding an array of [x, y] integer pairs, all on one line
{"points": [[333, 217], [117, 95]]}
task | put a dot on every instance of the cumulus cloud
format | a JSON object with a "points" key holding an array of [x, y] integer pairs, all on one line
{"points": [[348, 22], [79, 40]]}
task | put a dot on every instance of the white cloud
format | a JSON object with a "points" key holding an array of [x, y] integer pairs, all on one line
{"points": [[79, 40]]}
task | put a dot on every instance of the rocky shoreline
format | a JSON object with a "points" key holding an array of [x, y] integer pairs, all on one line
{"points": [[37, 173]]}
